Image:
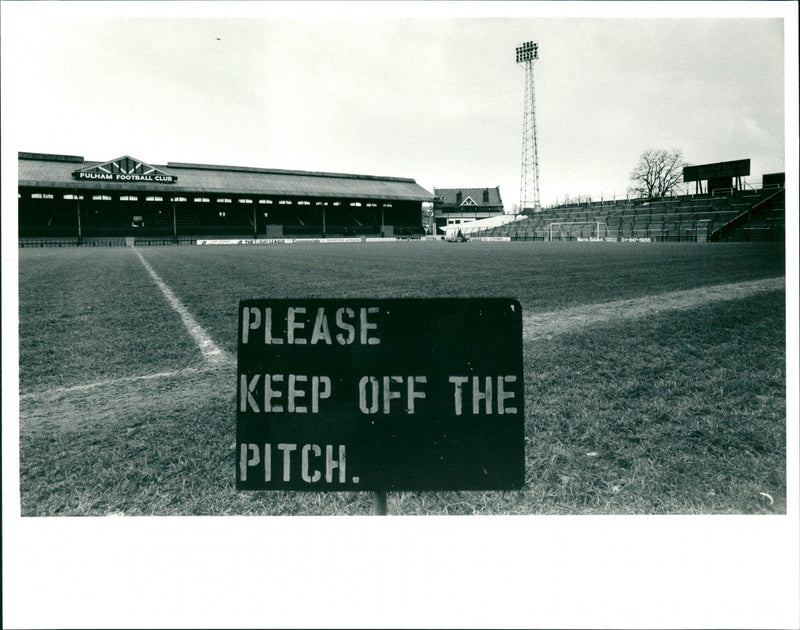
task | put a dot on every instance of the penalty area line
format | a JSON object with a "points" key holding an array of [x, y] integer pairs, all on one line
{"points": [[113, 382], [210, 351]]}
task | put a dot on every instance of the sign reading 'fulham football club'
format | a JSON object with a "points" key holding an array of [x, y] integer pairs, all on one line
{"points": [[391, 394], [125, 169]]}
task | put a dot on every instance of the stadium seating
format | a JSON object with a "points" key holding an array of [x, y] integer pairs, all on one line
{"points": [[679, 218]]}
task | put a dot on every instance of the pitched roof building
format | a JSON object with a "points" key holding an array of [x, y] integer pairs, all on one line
{"points": [[129, 174], [63, 195], [452, 206]]}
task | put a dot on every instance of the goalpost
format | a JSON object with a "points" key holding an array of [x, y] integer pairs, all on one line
{"points": [[570, 230]]}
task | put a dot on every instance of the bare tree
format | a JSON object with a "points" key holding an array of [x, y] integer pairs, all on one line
{"points": [[657, 173], [428, 217]]}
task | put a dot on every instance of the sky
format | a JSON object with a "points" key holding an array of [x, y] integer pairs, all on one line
{"points": [[429, 91]]}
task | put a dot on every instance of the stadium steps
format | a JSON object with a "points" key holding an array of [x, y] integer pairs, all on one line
{"points": [[688, 230], [670, 231], [626, 228], [355, 220], [742, 226], [720, 204], [166, 220]]}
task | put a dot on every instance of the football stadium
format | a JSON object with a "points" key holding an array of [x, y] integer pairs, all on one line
{"points": [[653, 344], [65, 200]]}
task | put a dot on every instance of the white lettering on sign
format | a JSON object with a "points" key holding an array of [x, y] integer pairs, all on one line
{"points": [[478, 395], [275, 385], [287, 459], [125, 177], [376, 393], [249, 456], [340, 315], [310, 468], [294, 325], [458, 381], [298, 327], [270, 393], [305, 469], [366, 326], [321, 330], [483, 390], [331, 464]]}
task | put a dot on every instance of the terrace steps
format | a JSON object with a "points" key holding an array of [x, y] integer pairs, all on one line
{"points": [[672, 218]]}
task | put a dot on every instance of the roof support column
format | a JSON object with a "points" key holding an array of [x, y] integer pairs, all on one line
{"points": [[78, 206], [174, 222]]}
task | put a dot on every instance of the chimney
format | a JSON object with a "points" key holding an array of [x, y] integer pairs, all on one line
{"points": [[458, 198], [485, 195]]}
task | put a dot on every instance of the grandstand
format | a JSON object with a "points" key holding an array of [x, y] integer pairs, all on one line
{"points": [[65, 200], [723, 215]]}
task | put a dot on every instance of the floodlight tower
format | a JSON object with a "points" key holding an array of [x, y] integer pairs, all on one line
{"points": [[527, 54]]}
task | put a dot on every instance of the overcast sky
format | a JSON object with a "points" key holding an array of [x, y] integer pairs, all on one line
{"points": [[423, 91]]}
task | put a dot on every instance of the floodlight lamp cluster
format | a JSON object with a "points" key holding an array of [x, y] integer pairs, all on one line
{"points": [[529, 51]]}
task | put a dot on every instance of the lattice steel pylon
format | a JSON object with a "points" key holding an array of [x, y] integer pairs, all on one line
{"points": [[527, 54]]}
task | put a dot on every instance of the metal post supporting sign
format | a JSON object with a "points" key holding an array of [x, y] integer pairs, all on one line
{"points": [[379, 395], [379, 507]]}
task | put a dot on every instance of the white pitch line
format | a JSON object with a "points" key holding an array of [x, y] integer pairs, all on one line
{"points": [[545, 325], [56, 391], [210, 351]]}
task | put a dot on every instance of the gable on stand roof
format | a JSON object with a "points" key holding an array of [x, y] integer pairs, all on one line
{"points": [[478, 197], [125, 169]]}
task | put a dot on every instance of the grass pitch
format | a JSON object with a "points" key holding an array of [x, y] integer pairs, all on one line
{"points": [[670, 412]]}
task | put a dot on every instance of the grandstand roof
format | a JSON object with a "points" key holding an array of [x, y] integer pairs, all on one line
{"points": [[56, 171], [449, 196]]}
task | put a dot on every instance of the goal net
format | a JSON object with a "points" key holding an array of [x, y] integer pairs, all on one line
{"points": [[577, 230]]}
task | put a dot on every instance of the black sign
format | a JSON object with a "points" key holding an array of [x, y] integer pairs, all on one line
{"points": [[702, 172], [394, 394]]}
